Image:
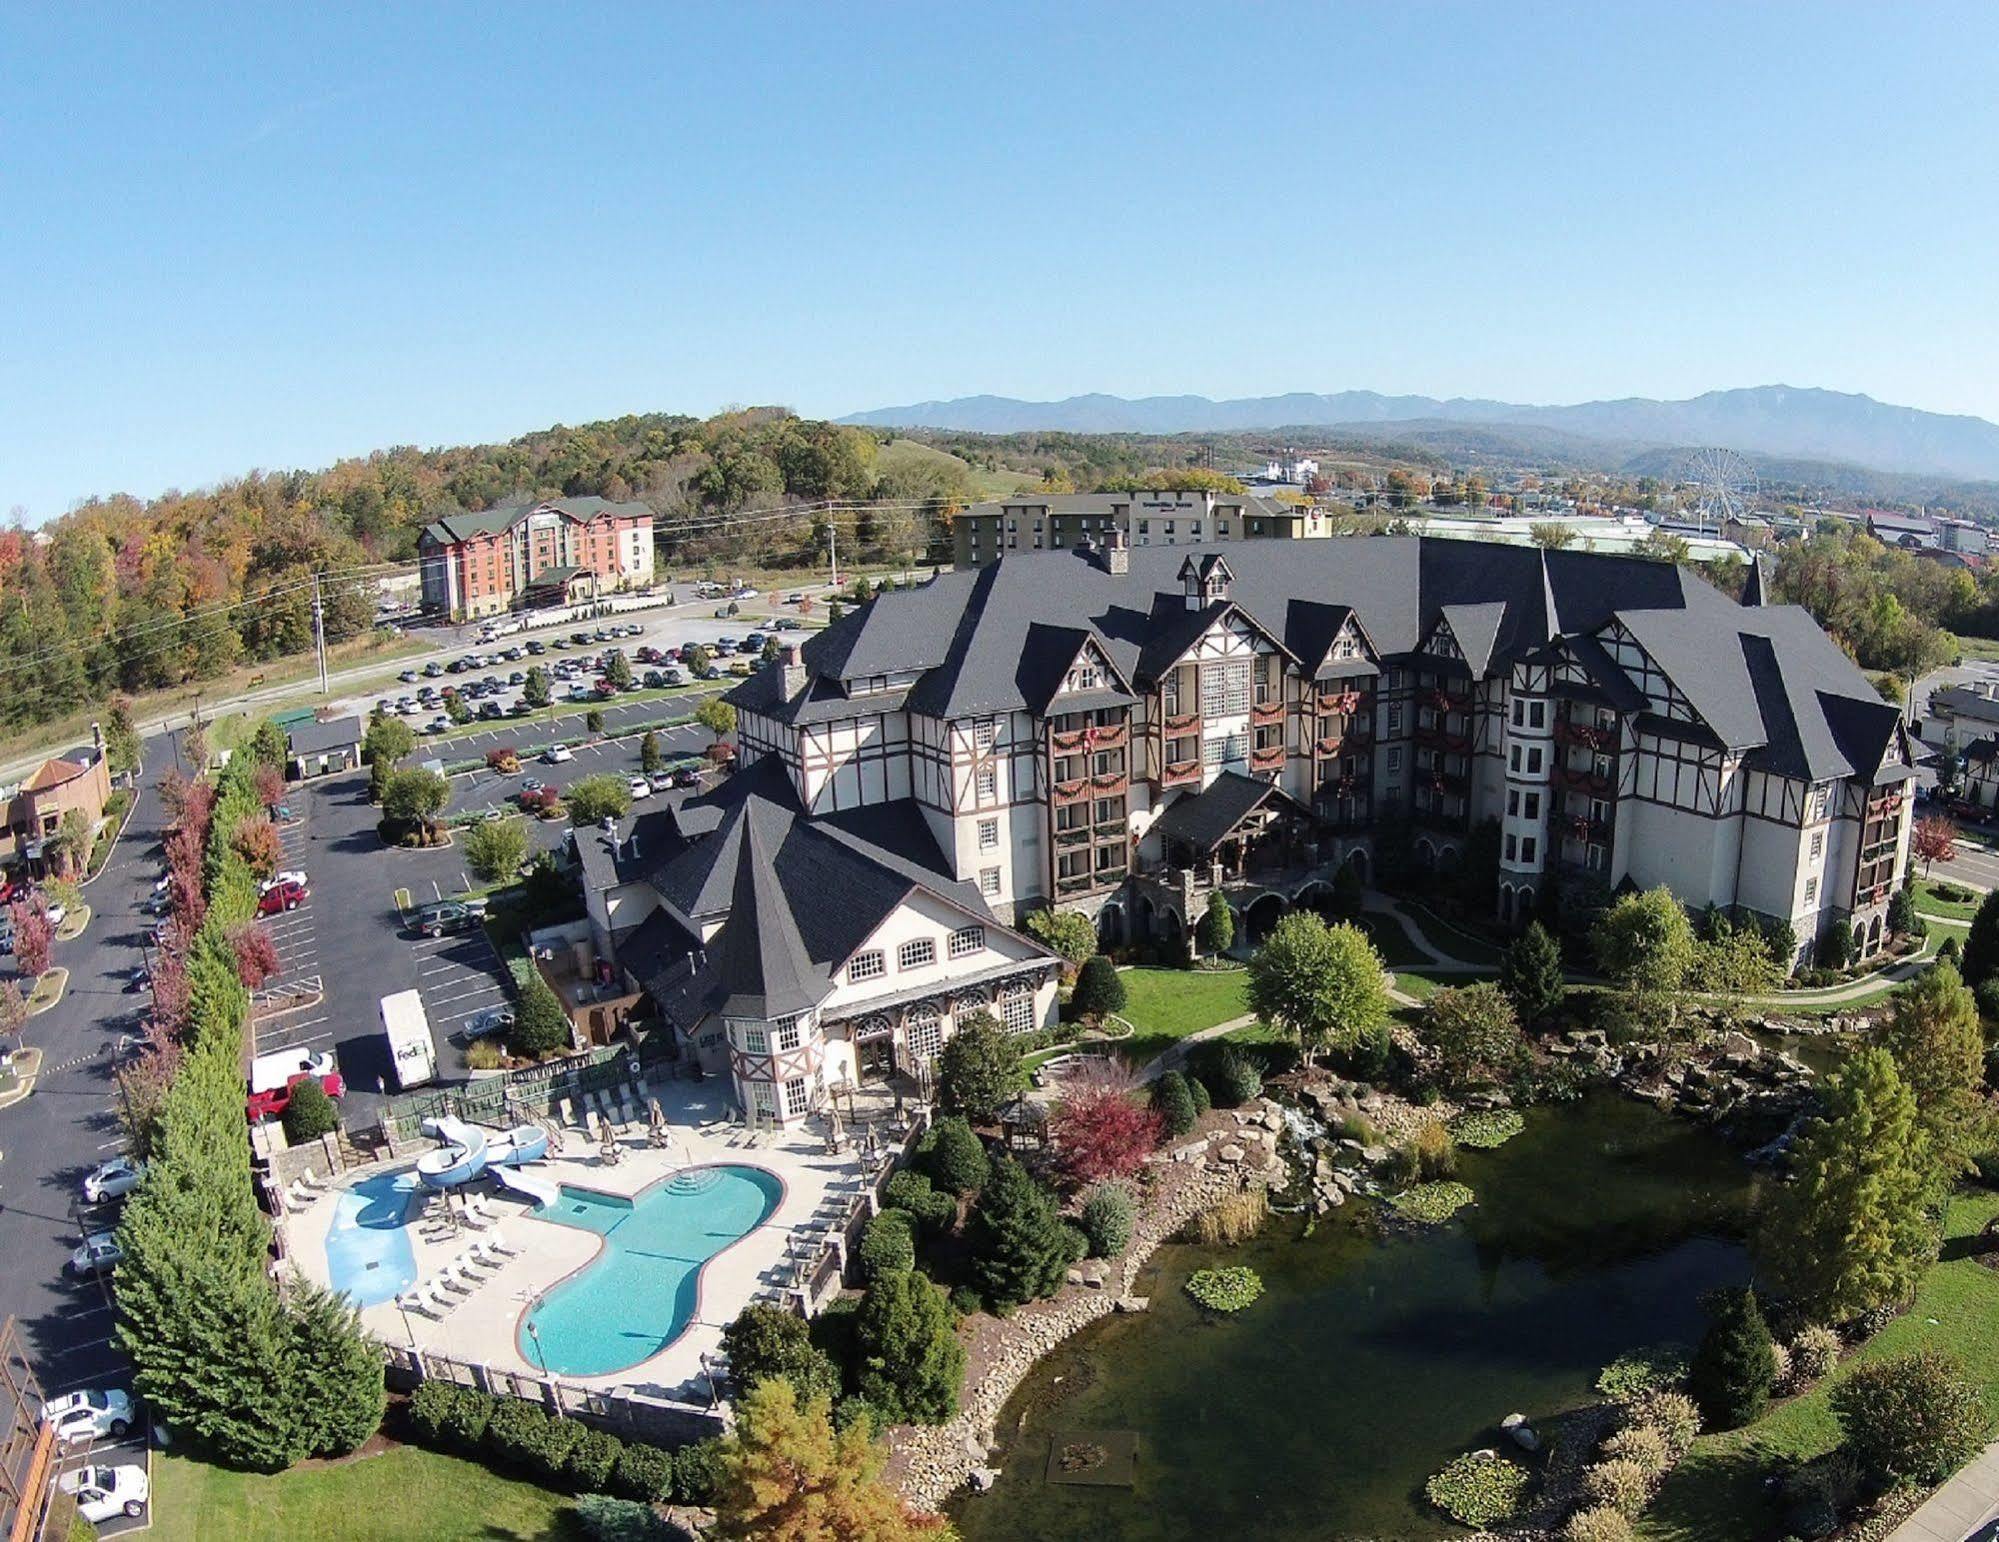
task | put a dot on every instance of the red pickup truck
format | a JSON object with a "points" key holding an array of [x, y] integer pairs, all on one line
{"points": [[273, 1101]]}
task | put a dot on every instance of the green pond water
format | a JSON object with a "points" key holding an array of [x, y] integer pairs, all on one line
{"points": [[1373, 1359]]}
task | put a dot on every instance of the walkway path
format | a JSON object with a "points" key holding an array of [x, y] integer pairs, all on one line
{"points": [[1966, 1509], [1175, 1056], [1382, 904]]}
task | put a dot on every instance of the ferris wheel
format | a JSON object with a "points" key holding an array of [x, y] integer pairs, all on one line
{"points": [[1721, 484]]}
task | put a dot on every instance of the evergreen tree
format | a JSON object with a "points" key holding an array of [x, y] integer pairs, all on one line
{"points": [[1216, 932], [650, 757], [268, 746], [1733, 1368], [1531, 973], [1981, 945], [910, 1362], [540, 1025], [978, 1069], [1902, 916], [1850, 1233], [1174, 1102], [766, 1341], [1019, 1249], [1098, 990], [955, 1157], [1933, 1032], [335, 1373], [310, 1113]]}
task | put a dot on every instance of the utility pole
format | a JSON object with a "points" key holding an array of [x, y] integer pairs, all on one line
{"points": [[833, 550], [319, 633]]}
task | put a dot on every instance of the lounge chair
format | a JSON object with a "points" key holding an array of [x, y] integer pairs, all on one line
{"points": [[500, 1245], [438, 1299], [483, 1252], [411, 1299]]}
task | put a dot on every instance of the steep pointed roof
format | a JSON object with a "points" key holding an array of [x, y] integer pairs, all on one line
{"points": [[1476, 628], [761, 965]]}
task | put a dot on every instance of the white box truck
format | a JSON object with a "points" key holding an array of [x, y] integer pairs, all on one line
{"points": [[411, 1051]]}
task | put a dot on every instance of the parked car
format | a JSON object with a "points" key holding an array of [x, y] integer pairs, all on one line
{"points": [[796, 597], [788, 624], [98, 1254], [273, 1101], [556, 754], [89, 1415], [282, 897], [408, 677], [494, 1020], [285, 875], [671, 676], [112, 1180], [754, 643], [438, 725], [519, 709], [640, 787], [687, 776], [442, 918], [490, 710], [537, 648], [104, 1492], [432, 670]]}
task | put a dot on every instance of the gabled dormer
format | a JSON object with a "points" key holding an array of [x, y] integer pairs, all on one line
{"points": [[1207, 582]]}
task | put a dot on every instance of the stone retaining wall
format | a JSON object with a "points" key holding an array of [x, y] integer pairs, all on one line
{"points": [[930, 1462]]}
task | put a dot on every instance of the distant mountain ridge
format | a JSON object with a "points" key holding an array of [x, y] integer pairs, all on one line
{"points": [[1808, 423]]}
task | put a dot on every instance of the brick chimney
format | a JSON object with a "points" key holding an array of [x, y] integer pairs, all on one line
{"points": [[791, 663], [1117, 552]]}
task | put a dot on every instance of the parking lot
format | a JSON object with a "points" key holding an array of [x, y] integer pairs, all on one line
{"points": [[291, 1009], [459, 976]]}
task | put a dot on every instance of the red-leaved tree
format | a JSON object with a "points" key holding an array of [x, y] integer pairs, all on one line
{"points": [[269, 784], [13, 1009], [171, 993], [1099, 1128], [257, 842], [34, 937], [1934, 840], [256, 955]]}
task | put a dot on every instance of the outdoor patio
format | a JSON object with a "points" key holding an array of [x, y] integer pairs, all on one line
{"points": [[787, 1252]]}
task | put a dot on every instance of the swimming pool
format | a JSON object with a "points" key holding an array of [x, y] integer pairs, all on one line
{"points": [[368, 1254], [641, 1291]]}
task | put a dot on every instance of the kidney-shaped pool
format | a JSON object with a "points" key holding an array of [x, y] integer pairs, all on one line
{"points": [[641, 1290]]}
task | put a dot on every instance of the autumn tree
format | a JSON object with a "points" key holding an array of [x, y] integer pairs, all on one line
{"points": [[717, 716], [256, 955], [1933, 1032], [1934, 839], [1098, 1127], [34, 938], [269, 785], [787, 1475], [257, 842]]}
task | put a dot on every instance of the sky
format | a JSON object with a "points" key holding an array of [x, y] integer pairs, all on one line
{"points": [[272, 236]]}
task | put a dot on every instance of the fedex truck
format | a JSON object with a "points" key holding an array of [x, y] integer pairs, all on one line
{"points": [[412, 1052]]}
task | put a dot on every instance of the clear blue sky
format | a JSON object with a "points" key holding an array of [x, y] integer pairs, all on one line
{"points": [[273, 236]]}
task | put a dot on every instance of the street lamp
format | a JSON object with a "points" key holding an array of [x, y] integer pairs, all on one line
{"points": [[541, 1359]]}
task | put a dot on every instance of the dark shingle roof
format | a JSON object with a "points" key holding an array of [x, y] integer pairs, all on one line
{"points": [[317, 738], [504, 516], [1206, 818]]}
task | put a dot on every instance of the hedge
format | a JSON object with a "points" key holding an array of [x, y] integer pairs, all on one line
{"points": [[562, 1453]]}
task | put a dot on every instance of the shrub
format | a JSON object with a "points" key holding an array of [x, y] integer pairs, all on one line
{"points": [[1487, 1128], [1673, 1414], [540, 1025], [1733, 1369], [1598, 1525], [1232, 1077], [1098, 990], [483, 1055], [908, 1361], [978, 1070], [910, 1192], [1619, 1484], [1197, 1090], [310, 1113], [695, 1470], [1228, 1289], [591, 1460], [1642, 1446], [1643, 1370], [767, 1341], [608, 1519], [1814, 1352], [644, 1473], [964, 1301], [449, 1417], [1436, 1157], [1173, 1101], [1106, 1219], [955, 1157], [1019, 1249], [1950, 951], [496, 849], [1780, 1367], [1098, 1128], [1910, 1419], [888, 1245], [1432, 1201], [1232, 1219], [1480, 1489], [517, 1433]]}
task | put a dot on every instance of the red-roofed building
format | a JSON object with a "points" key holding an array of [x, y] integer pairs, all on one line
{"points": [[35, 808]]}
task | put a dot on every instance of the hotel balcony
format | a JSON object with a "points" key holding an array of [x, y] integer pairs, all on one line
{"points": [[1266, 714], [1178, 773], [1585, 734], [1270, 758]]}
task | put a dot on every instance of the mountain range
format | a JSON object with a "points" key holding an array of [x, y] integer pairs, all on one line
{"points": [[1777, 420]]}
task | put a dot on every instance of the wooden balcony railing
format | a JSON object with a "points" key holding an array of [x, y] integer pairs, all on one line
{"points": [[1070, 743], [1266, 714], [1327, 746], [1065, 793], [1269, 758], [1112, 736], [1583, 781], [1179, 772], [1182, 723], [1077, 836], [1438, 737], [1586, 734], [1347, 702]]}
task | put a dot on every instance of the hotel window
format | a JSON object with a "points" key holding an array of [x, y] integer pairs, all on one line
{"points": [[1519, 713], [924, 1036], [1533, 805], [760, 1097], [1534, 761], [1394, 759], [1512, 802], [1225, 688], [984, 731], [1537, 714], [1512, 849], [1394, 722], [1513, 758], [867, 966], [1224, 749], [986, 783], [967, 940], [1527, 845], [756, 1041], [787, 1033], [1017, 1010], [916, 953], [989, 880], [1811, 891], [1818, 844], [794, 1096], [988, 834]]}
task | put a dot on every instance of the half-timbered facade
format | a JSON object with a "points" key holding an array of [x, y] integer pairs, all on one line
{"points": [[797, 955], [1617, 720]]}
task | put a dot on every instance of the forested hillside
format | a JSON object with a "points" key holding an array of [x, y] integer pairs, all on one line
{"points": [[123, 594]]}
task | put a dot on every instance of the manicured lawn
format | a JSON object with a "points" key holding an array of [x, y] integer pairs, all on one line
{"points": [[1392, 940], [1928, 904], [1716, 1494], [402, 1495], [1456, 942], [1165, 1005], [1421, 986]]}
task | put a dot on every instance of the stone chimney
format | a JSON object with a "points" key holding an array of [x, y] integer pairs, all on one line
{"points": [[1117, 553], [791, 663]]}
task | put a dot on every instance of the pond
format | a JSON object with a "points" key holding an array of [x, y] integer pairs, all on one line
{"points": [[1372, 1360]]}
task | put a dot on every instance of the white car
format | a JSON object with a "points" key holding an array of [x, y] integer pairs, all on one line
{"points": [[494, 1020], [57, 913], [556, 754], [289, 875], [87, 1415], [641, 788], [99, 1254], [102, 1492], [112, 1180]]}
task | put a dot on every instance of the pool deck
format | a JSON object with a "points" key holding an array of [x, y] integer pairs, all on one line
{"points": [[483, 1327]]}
